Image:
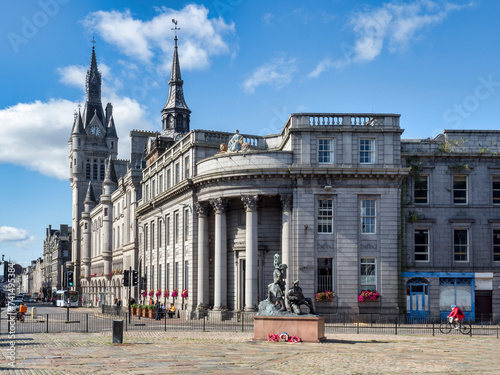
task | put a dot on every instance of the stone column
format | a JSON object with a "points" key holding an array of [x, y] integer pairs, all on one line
{"points": [[251, 254], [286, 251], [220, 267], [203, 209]]}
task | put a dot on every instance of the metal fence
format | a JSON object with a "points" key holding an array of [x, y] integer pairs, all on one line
{"points": [[229, 321]]}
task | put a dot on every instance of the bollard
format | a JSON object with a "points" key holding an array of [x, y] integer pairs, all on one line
{"points": [[117, 331]]}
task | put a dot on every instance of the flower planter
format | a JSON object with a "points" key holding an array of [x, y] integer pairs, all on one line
{"points": [[152, 314], [145, 313]]}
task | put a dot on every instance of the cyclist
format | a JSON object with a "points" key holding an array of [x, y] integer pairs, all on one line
{"points": [[456, 315]]}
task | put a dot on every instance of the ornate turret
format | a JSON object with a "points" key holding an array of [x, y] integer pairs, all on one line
{"points": [[93, 81], [175, 114]]}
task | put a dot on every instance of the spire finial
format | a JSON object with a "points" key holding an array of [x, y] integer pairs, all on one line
{"points": [[175, 30], [93, 41]]}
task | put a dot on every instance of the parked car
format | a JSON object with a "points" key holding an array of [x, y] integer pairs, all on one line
{"points": [[32, 299]]}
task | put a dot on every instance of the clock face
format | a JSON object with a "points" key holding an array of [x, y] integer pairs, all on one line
{"points": [[96, 131]]}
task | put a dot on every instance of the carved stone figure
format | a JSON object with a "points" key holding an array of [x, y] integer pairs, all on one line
{"points": [[295, 299], [234, 144]]}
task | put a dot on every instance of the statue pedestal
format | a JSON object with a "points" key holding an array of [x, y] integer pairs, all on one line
{"points": [[308, 328]]}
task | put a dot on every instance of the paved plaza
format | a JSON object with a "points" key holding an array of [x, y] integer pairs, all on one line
{"points": [[236, 353]]}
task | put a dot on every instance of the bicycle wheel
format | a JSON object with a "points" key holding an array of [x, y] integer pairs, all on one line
{"points": [[465, 328], [445, 327]]}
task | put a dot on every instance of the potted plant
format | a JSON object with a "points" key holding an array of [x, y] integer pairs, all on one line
{"points": [[166, 294], [184, 293], [145, 310], [368, 295], [327, 295], [152, 311], [158, 294], [133, 308], [175, 293]]}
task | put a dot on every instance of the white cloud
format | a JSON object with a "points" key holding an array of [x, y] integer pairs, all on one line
{"points": [[42, 130], [267, 18], [395, 25], [151, 41], [277, 73], [11, 234], [75, 75]]}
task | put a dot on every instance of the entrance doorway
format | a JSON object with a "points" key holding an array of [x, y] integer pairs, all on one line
{"points": [[417, 299], [483, 299]]}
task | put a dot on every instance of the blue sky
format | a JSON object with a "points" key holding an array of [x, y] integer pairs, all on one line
{"points": [[246, 65]]}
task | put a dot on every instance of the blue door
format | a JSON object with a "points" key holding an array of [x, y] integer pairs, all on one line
{"points": [[417, 300]]}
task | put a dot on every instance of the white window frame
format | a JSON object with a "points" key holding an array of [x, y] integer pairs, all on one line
{"points": [[495, 188], [367, 281], [326, 151], [423, 180], [456, 245], [455, 190], [367, 154], [365, 216], [325, 216], [423, 246]]}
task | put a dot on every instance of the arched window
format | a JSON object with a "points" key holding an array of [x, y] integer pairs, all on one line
{"points": [[102, 171], [87, 171], [94, 175]]}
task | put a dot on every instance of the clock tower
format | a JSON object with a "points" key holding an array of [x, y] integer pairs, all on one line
{"points": [[175, 114], [92, 143]]}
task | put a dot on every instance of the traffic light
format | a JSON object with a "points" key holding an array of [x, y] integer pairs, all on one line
{"points": [[70, 279], [126, 275], [135, 278]]}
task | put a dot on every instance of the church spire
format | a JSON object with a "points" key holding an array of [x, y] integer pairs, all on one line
{"points": [[176, 113], [93, 105]]}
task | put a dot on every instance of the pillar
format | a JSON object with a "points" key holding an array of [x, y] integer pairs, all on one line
{"points": [[220, 267], [286, 251], [203, 209], [251, 253]]}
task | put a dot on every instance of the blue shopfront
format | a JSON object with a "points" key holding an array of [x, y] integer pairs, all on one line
{"points": [[452, 288]]}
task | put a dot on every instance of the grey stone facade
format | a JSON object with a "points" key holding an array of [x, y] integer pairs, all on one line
{"points": [[339, 196]]}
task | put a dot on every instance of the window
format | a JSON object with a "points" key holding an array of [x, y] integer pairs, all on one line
{"points": [[177, 173], [461, 245], [153, 189], [496, 189], [186, 273], [160, 239], [421, 249], [167, 277], [169, 181], [176, 283], [368, 216], [152, 277], [368, 274], [160, 184], [167, 232], [159, 276], [186, 167], [460, 189], [102, 171], [325, 274], [152, 235], [496, 245], [146, 192], [186, 225], [94, 172], [367, 151], [87, 171], [325, 150], [176, 229], [325, 215], [421, 192]]}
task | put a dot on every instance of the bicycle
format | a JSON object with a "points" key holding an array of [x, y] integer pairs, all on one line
{"points": [[447, 325]]}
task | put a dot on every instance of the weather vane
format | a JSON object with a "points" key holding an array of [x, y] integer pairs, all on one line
{"points": [[93, 40], [175, 28]]}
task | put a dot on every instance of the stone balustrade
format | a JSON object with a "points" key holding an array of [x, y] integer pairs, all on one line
{"points": [[301, 120]]}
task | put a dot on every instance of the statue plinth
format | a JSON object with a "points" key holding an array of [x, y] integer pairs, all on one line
{"points": [[308, 328]]}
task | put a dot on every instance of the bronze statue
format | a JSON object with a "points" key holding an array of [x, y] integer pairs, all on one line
{"points": [[276, 290], [295, 299]]}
